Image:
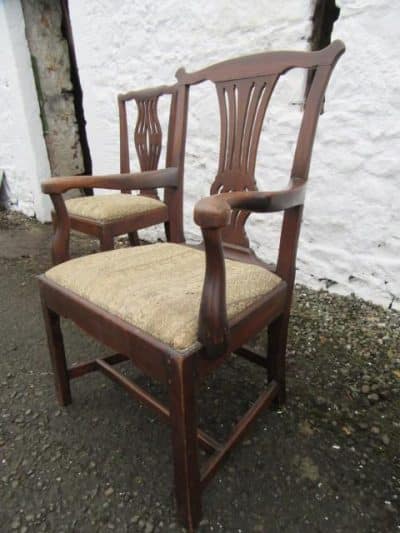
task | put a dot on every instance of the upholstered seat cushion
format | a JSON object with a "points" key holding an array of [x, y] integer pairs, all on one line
{"points": [[109, 207], [158, 287]]}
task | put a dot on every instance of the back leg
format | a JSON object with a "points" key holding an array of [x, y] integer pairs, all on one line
{"points": [[57, 354], [106, 242], [133, 238], [276, 356]]}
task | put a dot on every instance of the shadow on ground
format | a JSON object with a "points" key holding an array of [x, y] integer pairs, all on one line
{"points": [[327, 462]]}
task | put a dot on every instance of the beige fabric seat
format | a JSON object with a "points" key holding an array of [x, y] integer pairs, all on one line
{"points": [[158, 287], [110, 207]]}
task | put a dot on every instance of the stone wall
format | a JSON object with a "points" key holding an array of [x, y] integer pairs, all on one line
{"points": [[350, 237]]}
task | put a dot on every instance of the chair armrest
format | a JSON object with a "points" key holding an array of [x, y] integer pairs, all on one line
{"points": [[152, 179], [215, 211], [212, 214]]}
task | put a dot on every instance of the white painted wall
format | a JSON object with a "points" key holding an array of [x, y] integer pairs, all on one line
{"points": [[23, 155], [352, 217]]}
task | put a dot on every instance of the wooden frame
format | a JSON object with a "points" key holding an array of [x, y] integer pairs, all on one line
{"points": [[148, 142], [218, 337]]}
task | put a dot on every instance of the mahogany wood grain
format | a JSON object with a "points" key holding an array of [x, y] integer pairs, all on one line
{"points": [[148, 144], [244, 87]]}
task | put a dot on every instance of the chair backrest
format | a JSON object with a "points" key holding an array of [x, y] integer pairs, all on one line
{"points": [[244, 88], [148, 133]]}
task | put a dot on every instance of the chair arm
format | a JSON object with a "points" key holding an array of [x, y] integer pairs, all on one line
{"points": [[212, 214], [215, 211], [152, 179]]}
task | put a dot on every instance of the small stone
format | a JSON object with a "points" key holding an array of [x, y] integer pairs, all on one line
{"points": [[365, 389], [149, 528], [375, 430], [385, 439], [373, 398], [109, 491], [15, 524], [321, 402]]}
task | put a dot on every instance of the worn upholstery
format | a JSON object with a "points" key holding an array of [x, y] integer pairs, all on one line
{"points": [[158, 287], [111, 207]]}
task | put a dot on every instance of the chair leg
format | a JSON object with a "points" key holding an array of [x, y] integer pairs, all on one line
{"points": [[57, 355], [276, 356], [184, 441], [106, 242], [167, 231], [133, 238]]}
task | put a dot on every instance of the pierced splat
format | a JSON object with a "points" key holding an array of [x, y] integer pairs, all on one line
{"points": [[148, 133], [148, 137], [242, 106]]}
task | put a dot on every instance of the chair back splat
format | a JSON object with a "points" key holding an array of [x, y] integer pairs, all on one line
{"points": [[244, 88], [148, 132]]}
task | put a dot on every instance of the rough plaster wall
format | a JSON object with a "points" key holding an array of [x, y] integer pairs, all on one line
{"points": [[350, 239], [23, 157], [49, 50]]}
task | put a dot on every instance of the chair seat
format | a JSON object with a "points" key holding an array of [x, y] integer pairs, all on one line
{"points": [[158, 287], [110, 207]]}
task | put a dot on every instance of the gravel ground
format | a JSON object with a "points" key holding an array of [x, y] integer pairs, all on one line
{"points": [[329, 461]]}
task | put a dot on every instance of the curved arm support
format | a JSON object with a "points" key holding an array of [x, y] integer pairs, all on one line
{"points": [[62, 225], [152, 179], [212, 214], [213, 330], [215, 211]]}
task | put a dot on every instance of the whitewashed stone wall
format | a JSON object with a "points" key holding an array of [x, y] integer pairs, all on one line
{"points": [[350, 239], [23, 155]]}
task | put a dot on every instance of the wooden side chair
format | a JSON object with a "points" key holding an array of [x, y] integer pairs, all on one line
{"points": [[109, 215], [178, 312]]}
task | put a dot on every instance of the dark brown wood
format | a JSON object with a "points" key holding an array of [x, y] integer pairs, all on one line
{"points": [[61, 226], [106, 241], [57, 354], [184, 440], [104, 365], [167, 177], [148, 143], [79, 370], [251, 356], [238, 433], [244, 87]]}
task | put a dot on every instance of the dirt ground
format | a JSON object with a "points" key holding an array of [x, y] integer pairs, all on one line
{"points": [[328, 462]]}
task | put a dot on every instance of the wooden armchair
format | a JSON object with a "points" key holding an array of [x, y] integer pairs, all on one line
{"points": [[109, 215], [178, 312]]}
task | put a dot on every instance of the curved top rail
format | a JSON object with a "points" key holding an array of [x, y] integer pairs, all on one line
{"points": [[263, 64], [145, 94]]}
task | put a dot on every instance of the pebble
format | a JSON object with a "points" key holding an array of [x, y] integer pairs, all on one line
{"points": [[375, 430], [385, 439], [373, 398], [109, 491], [149, 527], [365, 389]]}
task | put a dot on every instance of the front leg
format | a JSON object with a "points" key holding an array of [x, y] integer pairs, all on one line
{"points": [[184, 440], [57, 354]]}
